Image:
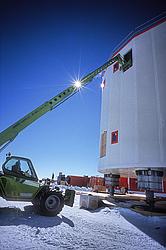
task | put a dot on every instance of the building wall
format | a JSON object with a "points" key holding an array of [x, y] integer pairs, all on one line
{"points": [[133, 104]]}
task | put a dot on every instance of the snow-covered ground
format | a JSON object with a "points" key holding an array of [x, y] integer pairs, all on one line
{"points": [[75, 228]]}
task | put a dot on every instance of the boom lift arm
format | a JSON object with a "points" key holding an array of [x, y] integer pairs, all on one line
{"points": [[12, 131]]}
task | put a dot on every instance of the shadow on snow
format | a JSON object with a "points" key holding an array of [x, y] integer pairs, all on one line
{"points": [[153, 226], [15, 216]]}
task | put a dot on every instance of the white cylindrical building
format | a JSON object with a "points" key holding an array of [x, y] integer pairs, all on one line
{"points": [[133, 114]]}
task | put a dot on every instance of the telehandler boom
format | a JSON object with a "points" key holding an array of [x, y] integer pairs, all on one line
{"points": [[10, 133]]}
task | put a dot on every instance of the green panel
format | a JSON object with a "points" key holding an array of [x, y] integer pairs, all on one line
{"points": [[19, 188], [69, 197]]}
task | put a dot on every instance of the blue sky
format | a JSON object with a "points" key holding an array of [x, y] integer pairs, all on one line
{"points": [[44, 44]]}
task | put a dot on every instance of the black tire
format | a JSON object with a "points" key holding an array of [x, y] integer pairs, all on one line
{"points": [[51, 204]]}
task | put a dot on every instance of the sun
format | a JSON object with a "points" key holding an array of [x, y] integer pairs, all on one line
{"points": [[77, 84]]}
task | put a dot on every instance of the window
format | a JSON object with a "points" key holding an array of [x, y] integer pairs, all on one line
{"points": [[103, 144], [128, 60], [114, 137], [115, 67], [19, 167]]}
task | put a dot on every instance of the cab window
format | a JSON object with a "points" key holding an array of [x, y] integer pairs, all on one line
{"points": [[19, 167]]}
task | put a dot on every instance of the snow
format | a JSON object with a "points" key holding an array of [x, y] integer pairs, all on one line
{"points": [[75, 228]]}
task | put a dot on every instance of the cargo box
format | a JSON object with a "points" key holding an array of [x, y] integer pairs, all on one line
{"points": [[88, 201]]}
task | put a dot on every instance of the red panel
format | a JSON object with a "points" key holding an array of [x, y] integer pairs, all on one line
{"points": [[114, 137], [123, 182], [133, 184], [164, 184]]}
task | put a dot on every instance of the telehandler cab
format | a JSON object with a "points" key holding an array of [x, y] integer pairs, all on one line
{"points": [[19, 182]]}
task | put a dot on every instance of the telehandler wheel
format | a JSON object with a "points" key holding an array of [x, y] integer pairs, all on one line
{"points": [[51, 204]]}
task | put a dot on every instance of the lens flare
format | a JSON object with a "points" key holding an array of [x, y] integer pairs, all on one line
{"points": [[103, 84], [77, 84]]}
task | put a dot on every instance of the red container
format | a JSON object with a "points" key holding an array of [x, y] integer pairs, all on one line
{"points": [[96, 181], [81, 181]]}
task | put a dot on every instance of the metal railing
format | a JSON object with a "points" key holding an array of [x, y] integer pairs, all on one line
{"points": [[139, 29]]}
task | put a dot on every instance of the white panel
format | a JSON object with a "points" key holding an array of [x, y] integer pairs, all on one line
{"points": [[148, 143]]}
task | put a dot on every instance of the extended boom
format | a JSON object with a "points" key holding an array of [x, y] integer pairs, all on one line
{"points": [[11, 132]]}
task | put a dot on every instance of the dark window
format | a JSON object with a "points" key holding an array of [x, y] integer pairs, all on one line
{"points": [[115, 67], [128, 60]]}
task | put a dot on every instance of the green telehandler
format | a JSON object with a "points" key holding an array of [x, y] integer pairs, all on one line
{"points": [[19, 181]]}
